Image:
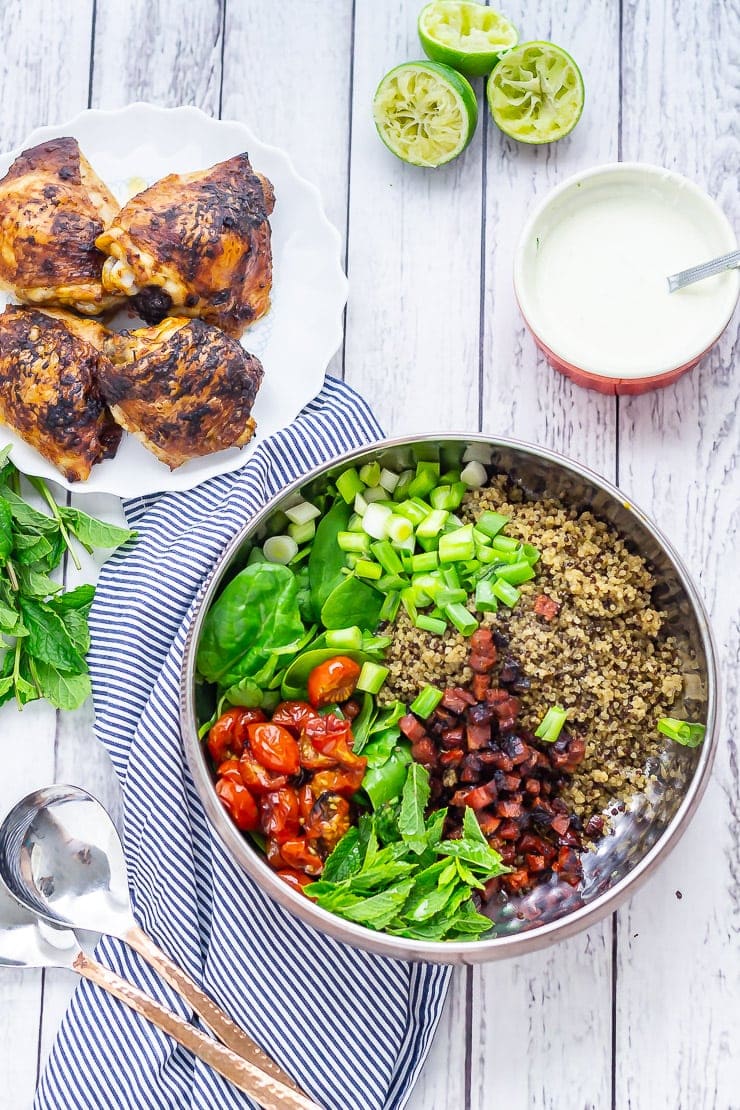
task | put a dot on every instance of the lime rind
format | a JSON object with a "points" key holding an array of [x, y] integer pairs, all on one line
{"points": [[425, 113], [467, 36], [535, 93]]}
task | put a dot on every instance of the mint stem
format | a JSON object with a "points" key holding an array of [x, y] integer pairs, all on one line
{"points": [[41, 486]]}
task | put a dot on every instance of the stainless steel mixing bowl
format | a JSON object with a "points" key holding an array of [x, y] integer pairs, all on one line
{"points": [[641, 836]]}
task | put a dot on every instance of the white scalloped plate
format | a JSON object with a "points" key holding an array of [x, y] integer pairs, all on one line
{"points": [[297, 337]]}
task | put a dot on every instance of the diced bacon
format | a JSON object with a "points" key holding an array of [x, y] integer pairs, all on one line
{"points": [[457, 700], [412, 728]]}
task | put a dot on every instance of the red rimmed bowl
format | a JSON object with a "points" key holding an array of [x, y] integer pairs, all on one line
{"points": [[590, 277]]}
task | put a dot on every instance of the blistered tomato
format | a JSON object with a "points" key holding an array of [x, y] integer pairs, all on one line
{"points": [[274, 747], [239, 803], [229, 733], [333, 681], [280, 813], [293, 715]]}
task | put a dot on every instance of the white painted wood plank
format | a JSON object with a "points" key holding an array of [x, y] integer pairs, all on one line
{"points": [[167, 52], [44, 69], [307, 54], [414, 256], [679, 456], [442, 1084], [546, 1014]]}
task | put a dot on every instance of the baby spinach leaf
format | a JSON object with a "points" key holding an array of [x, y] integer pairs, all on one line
{"points": [[48, 638], [65, 691], [384, 783], [94, 533], [255, 615], [413, 804], [296, 675], [327, 558], [352, 602]]}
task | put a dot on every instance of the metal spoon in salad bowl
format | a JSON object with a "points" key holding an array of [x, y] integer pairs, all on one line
{"points": [[26, 941], [62, 858]]}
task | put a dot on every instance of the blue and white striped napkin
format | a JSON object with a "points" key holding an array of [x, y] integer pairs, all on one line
{"points": [[351, 1027]]}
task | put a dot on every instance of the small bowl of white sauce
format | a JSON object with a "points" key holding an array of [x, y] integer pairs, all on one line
{"points": [[591, 272]]}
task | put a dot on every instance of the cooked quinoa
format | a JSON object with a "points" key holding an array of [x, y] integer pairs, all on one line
{"points": [[604, 656]]}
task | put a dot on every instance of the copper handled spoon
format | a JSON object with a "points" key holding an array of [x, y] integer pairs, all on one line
{"points": [[61, 856], [27, 942]]}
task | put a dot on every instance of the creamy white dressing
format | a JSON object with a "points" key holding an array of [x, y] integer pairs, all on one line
{"points": [[597, 268]]}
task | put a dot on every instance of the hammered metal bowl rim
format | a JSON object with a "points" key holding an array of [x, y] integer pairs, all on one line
{"points": [[450, 952]]}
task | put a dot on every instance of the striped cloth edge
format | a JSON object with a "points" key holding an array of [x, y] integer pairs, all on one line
{"points": [[352, 1027]]}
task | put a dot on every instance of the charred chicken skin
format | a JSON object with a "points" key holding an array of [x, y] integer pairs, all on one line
{"points": [[53, 206], [183, 388], [50, 393], [195, 244]]}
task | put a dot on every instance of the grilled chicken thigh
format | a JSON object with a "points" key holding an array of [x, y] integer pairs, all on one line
{"points": [[195, 244], [183, 388], [50, 394], [53, 206]]}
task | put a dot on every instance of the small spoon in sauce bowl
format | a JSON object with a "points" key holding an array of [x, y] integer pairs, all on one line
{"points": [[704, 270]]}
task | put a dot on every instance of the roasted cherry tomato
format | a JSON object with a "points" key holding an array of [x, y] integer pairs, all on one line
{"points": [[280, 813], [306, 800], [328, 821], [295, 879], [326, 733], [293, 715], [228, 735], [339, 781], [311, 758], [274, 747], [256, 777], [298, 854], [239, 803], [333, 681], [230, 770]]}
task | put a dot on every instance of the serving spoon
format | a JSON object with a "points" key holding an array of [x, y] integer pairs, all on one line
{"points": [[27, 942], [61, 856], [703, 270]]}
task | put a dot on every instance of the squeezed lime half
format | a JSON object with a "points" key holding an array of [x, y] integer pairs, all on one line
{"points": [[467, 36], [425, 113], [536, 93]]}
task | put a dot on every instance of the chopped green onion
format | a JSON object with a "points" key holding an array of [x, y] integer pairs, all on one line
{"points": [[426, 702], [390, 582], [450, 596], [551, 725], [516, 573], [388, 479], [399, 528], [450, 576], [256, 555], [457, 546], [427, 476], [447, 497], [405, 479], [474, 474], [360, 504], [688, 733], [354, 524], [428, 560], [350, 484], [505, 543], [344, 639], [302, 512], [408, 600], [431, 624], [375, 521], [491, 523], [507, 557], [389, 608], [374, 493], [485, 598], [302, 533], [358, 542], [387, 557], [506, 593], [411, 511], [432, 524], [463, 621], [280, 549], [478, 452], [486, 554], [372, 677], [530, 553], [370, 473], [364, 568], [372, 644], [481, 537]]}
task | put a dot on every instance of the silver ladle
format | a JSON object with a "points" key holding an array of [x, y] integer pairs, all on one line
{"points": [[27, 942], [61, 856]]}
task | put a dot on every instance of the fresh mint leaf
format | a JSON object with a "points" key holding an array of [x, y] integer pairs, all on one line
{"points": [[378, 911], [25, 516], [471, 827], [346, 859], [94, 533], [6, 530], [81, 597], [36, 585], [30, 548], [75, 621], [480, 856], [413, 804], [48, 638], [65, 691]]}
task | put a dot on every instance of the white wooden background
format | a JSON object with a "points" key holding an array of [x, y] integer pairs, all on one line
{"points": [[643, 1011]]}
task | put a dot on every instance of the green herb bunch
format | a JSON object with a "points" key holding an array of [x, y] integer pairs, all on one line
{"points": [[44, 633], [395, 872]]}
